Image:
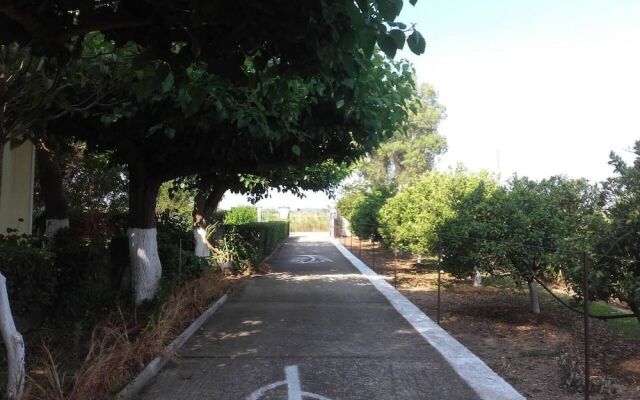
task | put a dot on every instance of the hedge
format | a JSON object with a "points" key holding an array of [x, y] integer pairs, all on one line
{"points": [[252, 242]]}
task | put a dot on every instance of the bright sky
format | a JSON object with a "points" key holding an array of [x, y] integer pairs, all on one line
{"points": [[537, 87]]}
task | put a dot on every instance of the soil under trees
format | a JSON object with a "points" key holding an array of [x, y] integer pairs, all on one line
{"points": [[540, 355]]}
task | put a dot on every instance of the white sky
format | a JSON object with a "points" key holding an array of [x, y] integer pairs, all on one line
{"points": [[539, 87]]}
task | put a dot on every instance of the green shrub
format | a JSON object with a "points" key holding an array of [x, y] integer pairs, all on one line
{"points": [[349, 201], [28, 265], [179, 264], [86, 280], [241, 215], [178, 227], [71, 277], [251, 242], [364, 221], [361, 208], [217, 217]]}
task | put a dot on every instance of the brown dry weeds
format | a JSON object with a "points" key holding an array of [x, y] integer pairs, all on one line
{"points": [[526, 349], [122, 345]]}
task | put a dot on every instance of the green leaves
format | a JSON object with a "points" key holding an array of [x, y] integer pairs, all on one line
{"points": [[395, 39], [389, 9], [416, 42], [398, 38], [361, 206], [388, 45], [167, 83]]}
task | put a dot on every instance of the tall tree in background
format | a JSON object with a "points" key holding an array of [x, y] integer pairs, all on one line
{"points": [[409, 154]]}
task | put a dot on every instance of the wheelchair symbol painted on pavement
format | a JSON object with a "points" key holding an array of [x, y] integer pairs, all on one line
{"points": [[309, 259], [292, 382]]}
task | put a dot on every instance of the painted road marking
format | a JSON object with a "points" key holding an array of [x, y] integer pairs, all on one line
{"points": [[293, 382], [309, 259], [294, 388], [486, 383]]}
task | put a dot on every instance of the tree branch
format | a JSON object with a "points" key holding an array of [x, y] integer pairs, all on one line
{"points": [[102, 26], [29, 23]]}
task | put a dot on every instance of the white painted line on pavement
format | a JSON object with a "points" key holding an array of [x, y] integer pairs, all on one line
{"points": [[293, 382], [309, 259], [294, 388], [261, 391], [482, 379]]}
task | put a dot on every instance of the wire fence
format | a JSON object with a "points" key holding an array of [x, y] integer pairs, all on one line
{"points": [[585, 259]]}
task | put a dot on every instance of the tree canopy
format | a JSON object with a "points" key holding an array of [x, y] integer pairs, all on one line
{"points": [[411, 152]]}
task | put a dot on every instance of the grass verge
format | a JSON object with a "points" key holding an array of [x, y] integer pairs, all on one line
{"points": [[626, 327]]}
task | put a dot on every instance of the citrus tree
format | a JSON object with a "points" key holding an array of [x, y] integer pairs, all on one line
{"points": [[410, 219], [617, 264]]}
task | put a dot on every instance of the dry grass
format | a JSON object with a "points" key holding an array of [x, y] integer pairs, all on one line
{"points": [[309, 221], [119, 348]]}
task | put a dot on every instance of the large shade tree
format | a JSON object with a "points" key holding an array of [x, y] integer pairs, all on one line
{"points": [[217, 85], [276, 108]]}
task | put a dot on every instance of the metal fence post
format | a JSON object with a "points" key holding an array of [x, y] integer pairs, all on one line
{"points": [[439, 272], [395, 269], [585, 281], [179, 259], [373, 254]]}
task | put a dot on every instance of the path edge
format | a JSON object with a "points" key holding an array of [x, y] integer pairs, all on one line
{"points": [[487, 384], [135, 386]]}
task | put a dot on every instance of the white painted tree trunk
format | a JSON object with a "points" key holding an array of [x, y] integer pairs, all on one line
{"points": [[14, 344], [477, 278], [533, 294], [146, 269], [53, 226], [200, 236]]}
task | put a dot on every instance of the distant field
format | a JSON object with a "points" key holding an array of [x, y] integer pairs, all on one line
{"points": [[309, 221]]}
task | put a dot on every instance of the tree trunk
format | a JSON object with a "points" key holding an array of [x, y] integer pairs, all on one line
{"points": [[200, 225], [14, 344], [477, 278], [213, 199], [146, 269], [533, 294], [50, 178], [635, 309], [203, 207]]}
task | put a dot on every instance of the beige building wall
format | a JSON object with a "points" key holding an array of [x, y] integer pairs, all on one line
{"points": [[16, 188]]}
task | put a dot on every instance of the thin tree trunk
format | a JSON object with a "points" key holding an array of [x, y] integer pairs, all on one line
{"points": [[146, 269], [14, 344], [203, 207], [533, 294], [200, 226], [477, 278], [50, 178], [213, 199], [635, 309]]}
